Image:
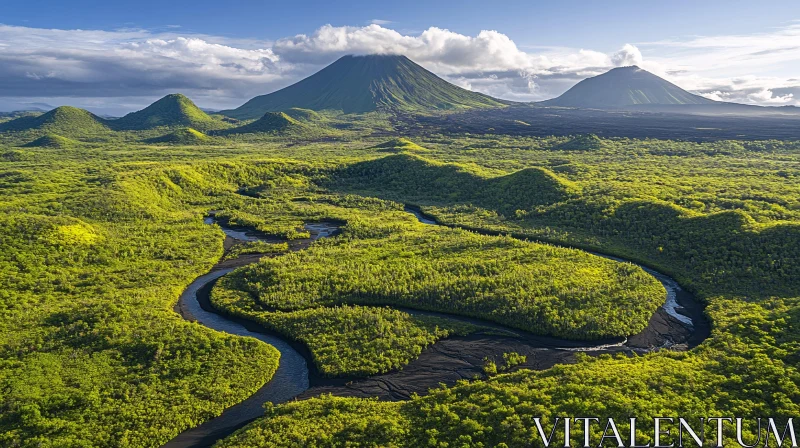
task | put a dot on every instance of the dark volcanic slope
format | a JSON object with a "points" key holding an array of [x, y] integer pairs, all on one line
{"points": [[355, 84], [622, 87], [546, 121]]}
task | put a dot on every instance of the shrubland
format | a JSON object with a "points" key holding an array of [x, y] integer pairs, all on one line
{"points": [[539, 288]]}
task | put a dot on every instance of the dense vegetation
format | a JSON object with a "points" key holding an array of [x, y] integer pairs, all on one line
{"points": [[186, 136], [733, 239], [408, 177], [538, 288], [91, 354], [99, 239], [350, 341], [343, 340], [52, 141]]}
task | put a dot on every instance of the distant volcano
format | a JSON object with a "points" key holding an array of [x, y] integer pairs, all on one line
{"points": [[356, 84], [624, 87]]}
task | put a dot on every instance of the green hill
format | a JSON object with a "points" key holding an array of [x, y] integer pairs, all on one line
{"points": [[186, 136], [51, 141], [409, 177], [65, 121], [270, 123], [173, 110], [356, 84], [303, 114], [583, 142], [625, 86], [399, 145]]}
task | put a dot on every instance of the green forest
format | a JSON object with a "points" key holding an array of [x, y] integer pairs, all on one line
{"points": [[534, 287], [102, 234]]}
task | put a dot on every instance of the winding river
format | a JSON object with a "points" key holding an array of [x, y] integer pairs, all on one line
{"points": [[679, 323]]}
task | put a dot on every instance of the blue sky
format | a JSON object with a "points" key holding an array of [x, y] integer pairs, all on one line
{"points": [[549, 23], [222, 53]]}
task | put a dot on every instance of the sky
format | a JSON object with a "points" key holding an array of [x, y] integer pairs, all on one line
{"points": [[113, 57]]}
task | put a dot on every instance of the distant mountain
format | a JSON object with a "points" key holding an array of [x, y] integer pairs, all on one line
{"points": [[355, 84], [28, 109], [7, 116], [173, 110], [36, 107], [624, 87], [65, 121]]}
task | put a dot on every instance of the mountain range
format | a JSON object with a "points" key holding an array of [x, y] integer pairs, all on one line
{"points": [[383, 83]]}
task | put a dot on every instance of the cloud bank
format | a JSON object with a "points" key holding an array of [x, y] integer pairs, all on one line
{"points": [[129, 68]]}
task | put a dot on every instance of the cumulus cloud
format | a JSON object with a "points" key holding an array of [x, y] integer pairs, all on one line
{"points": [[739, 68], [626, 56], [140, 65]]}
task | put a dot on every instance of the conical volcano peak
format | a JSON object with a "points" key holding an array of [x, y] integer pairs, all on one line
{"points": [[355, 84], [622, 87]]}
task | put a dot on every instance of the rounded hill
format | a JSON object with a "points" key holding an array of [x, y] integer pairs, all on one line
{"points": [[187, 136], [173, 110], [270, 123], [65, 121], [51, 141]]}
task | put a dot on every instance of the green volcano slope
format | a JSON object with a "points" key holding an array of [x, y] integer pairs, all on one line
{"points": [[173, 110], [64, 121], [409, 177], [303, 115], [356, 84], [625, 86]]}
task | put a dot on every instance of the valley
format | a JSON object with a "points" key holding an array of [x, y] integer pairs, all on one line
{"points": [[376, 257]]}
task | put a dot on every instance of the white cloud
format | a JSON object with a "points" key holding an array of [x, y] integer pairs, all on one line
{"points": [[380, 22], [90, 65], [626, 56]]}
